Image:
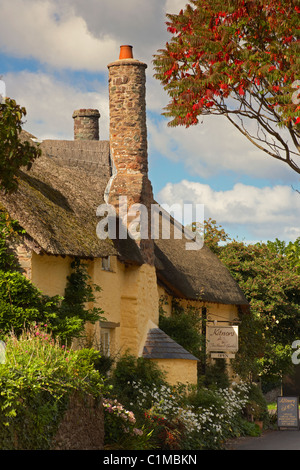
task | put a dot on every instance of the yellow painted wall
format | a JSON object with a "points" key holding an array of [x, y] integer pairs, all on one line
{"points": [[49, 273], [130, 297], [178, 370], [215, 311]]}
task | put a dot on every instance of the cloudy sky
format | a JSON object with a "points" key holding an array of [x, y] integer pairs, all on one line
{"points": [[53, 59]]}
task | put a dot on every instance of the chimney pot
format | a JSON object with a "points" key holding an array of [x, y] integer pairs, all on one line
{"points": [[126, 52], [86, 124]]}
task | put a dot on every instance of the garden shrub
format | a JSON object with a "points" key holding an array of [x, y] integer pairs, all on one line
{"points": [[204, 398], [23, 304], [181, 417], [36, 382], [257, 407], [216, 375], [129, 370], [166, 434], [120, 428], [189, 419], [183, 326]]}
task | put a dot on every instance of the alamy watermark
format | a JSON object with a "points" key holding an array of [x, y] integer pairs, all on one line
{"points": [[162, 222], [295, 358]]}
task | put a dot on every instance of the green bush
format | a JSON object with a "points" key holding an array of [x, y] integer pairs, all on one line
{"points": [[205, 398], [22, 304], [183, 326], [257, 407], [189, 419], [36, 381], [121, 429], [216, 375], [173, 417], [130, 370]]}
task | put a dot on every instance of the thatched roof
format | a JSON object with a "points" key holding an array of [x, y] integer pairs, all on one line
{"points": [[196, 274], [56, 204], [91, 156]]}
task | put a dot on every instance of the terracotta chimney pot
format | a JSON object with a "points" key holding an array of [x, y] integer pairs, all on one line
{"points": [[126, 52]]}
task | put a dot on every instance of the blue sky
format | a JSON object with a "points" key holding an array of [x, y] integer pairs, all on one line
{"points": [[53, 59]]}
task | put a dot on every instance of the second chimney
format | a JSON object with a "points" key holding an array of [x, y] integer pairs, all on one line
{"points": [[86, 124]]}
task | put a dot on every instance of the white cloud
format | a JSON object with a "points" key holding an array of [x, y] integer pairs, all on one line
{"points": [[135, 22], [81, 35], [214, 147], [57, 37], [266, 213], [50, 103]]}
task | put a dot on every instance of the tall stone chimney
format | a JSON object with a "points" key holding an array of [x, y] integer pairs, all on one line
{"points": [[86, 124], [128, 138]]}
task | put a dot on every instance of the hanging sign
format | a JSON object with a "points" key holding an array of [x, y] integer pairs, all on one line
{"points": [[222, 338]]}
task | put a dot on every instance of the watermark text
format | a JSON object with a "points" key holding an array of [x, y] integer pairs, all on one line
{"points": [[160, 222]]}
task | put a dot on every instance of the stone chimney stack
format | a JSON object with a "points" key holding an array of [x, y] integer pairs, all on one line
{"points": [[128, 138], [86, 124]]}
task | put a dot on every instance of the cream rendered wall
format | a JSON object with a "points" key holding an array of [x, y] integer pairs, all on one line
{"points": [[178, 370], [215, 311], [129, 297], [49, 273]]}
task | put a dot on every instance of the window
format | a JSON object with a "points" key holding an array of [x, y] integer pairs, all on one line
{"points": [[105, 342], [106, 263], [107, 336]]}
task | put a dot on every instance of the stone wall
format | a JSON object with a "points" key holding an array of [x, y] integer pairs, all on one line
{"points": [[24, 256], [82, 427]]}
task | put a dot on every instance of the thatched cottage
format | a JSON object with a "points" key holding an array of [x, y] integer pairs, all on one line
{"points": [[57, 203]]}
